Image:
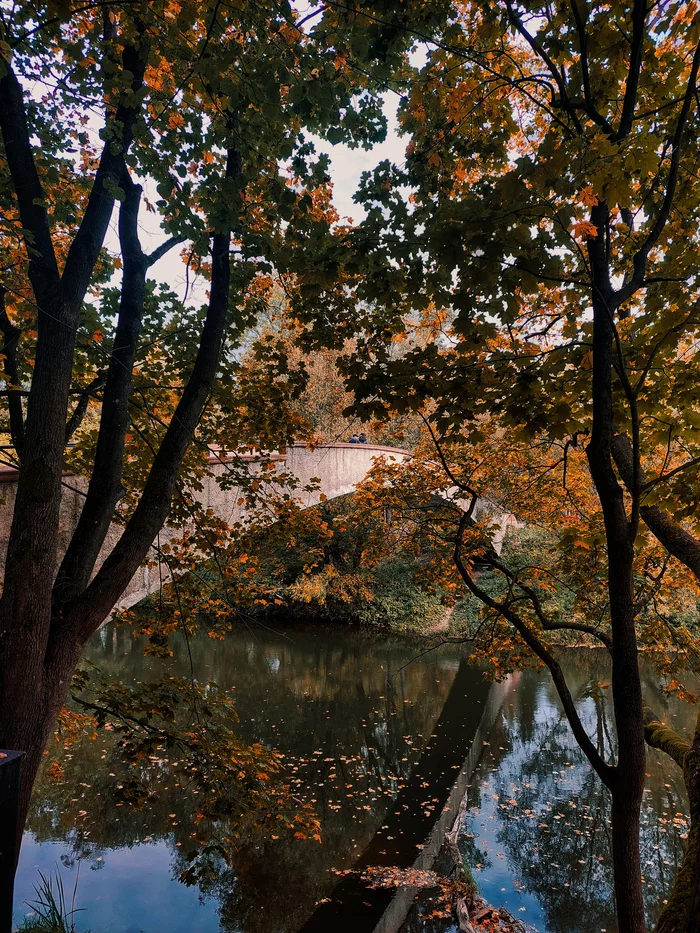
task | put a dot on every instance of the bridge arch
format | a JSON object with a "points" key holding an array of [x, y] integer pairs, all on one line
{"points": [[338, 467]]}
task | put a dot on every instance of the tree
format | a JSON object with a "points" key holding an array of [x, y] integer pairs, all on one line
{"points": [[200, 112], [550, 232]]}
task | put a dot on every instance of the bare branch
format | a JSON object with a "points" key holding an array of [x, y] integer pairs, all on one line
{"points": [[81, 405], [590, 108], [164, 248], [548, 624], [663, 477], [556, 74], [641, 256], [453, 479], [605, 771]]}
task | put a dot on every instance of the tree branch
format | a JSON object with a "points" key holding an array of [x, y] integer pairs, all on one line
{"points": [[590, 107], [105, 488], [460, 485], [641, 256], [164, 248], [548, 624], [14, 397], [639, 15], [76, 418], [43, 266], [664, 477], [677, 541], [92, 606], [659, 735], [556, 74], [605, 771], [88, 241]]}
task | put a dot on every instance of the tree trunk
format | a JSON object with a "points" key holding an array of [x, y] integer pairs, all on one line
{"points": [[28, 712], [626, 862], [29, 716], [681, 913], [620, 533], [34, 676], [628, 787], [692, 782]]}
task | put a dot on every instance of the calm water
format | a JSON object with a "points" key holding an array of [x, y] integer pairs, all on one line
{"points": [[537, 831], [373, 741]]}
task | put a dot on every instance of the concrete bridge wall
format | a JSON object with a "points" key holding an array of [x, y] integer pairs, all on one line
{"points": [[339, 467]]}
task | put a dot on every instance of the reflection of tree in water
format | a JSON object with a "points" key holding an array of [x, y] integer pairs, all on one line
{"points": [[350, 731], [553, 816]]}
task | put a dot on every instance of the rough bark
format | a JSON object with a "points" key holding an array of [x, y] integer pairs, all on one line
{"points": [[105, 489], [681, 913], [14, 398], [32, 685], [90, 608], [42, 638], [628, 786], [31, 705]]}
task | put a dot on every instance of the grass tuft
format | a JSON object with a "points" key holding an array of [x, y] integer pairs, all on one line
{"points": [[50, 911]]}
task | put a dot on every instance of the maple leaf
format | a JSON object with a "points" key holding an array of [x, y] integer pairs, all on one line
{"points": [[584, 229], [587, 196]]}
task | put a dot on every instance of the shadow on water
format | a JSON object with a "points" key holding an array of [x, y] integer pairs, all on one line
{"points": [[352, 721], [353, 906], [375, 744]]}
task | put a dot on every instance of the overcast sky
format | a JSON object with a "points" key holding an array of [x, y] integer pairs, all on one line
{"points": [[347, 165]]}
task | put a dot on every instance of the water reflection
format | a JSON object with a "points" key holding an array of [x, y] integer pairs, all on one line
{"points": [[353, 720], [538, 829], [351, 717]]}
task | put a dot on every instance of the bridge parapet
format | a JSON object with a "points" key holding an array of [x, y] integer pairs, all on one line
{"points": [[338, 467]]}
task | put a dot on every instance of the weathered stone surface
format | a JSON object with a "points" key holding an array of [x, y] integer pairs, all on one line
{"points": [[339, 467]]}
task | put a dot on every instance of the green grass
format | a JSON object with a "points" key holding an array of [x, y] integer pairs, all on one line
{"points": [[51, 913]]}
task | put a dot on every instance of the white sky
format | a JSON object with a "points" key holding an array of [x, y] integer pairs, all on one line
{"points": [[346, 167]]}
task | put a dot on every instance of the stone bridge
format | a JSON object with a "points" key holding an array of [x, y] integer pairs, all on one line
{"points": [[338, 467]]}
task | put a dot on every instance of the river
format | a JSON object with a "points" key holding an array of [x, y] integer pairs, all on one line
{"points": [[372, 733]]}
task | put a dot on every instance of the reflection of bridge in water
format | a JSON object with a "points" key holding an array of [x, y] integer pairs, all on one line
{"points": [[414, 831]]}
